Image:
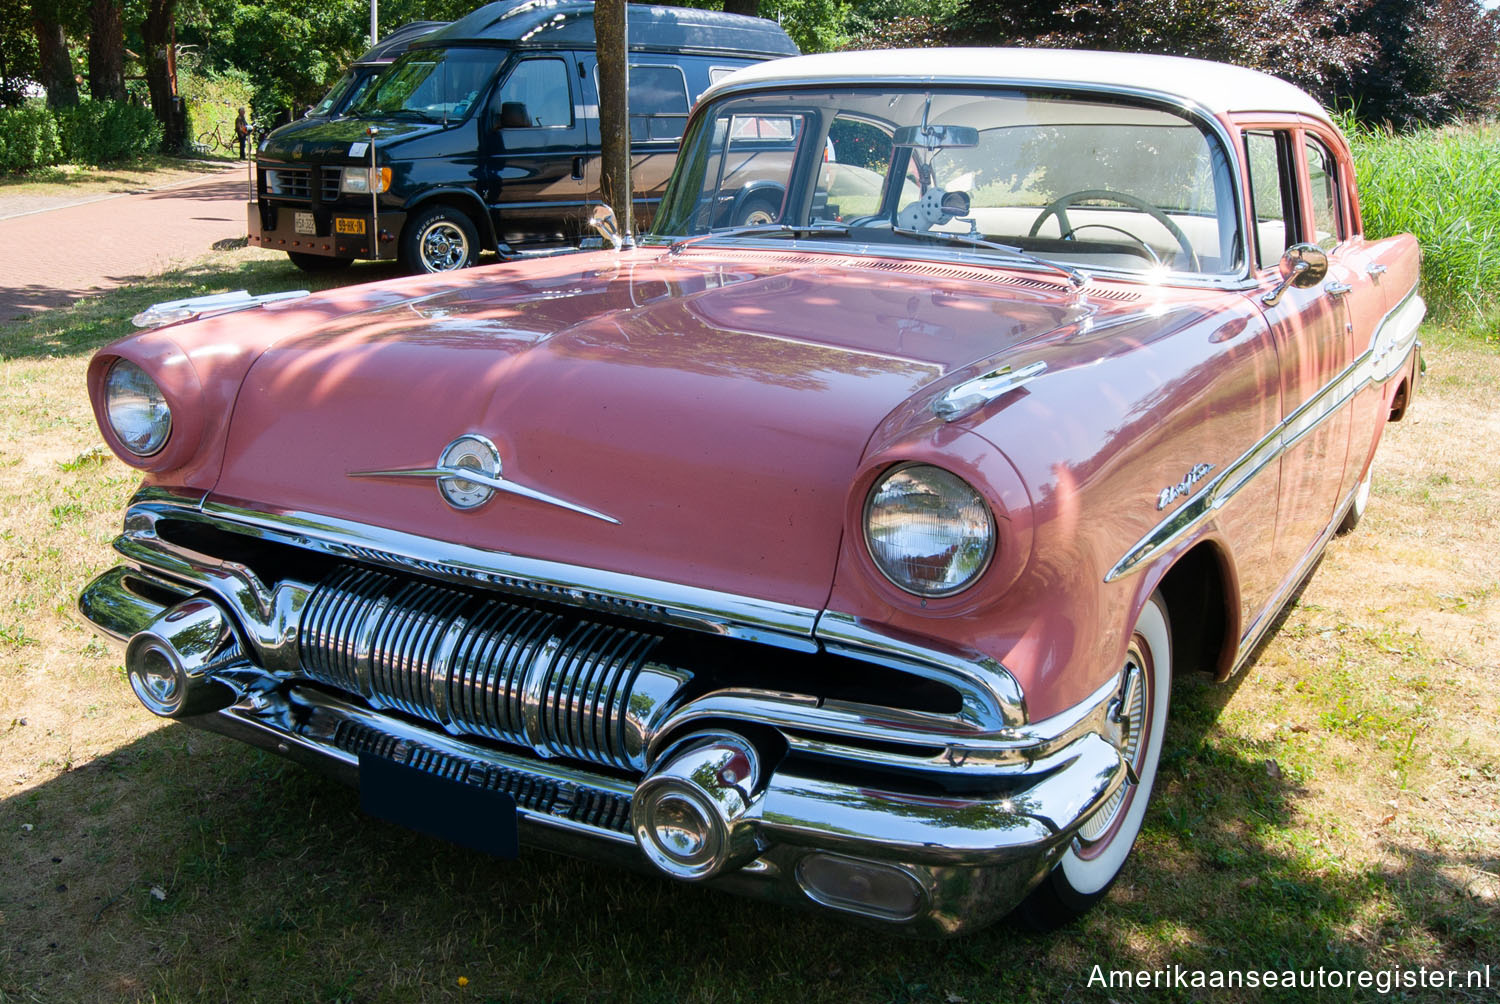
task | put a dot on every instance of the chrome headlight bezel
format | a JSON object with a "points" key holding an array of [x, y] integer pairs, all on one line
{"points": [[128, 386], [964, 496]]}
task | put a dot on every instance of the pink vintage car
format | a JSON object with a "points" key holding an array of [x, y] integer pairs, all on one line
{"points": [[844, 558]]}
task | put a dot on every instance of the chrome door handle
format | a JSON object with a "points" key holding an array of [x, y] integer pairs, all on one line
{"points": [[1375, 269], [1337, 288]]}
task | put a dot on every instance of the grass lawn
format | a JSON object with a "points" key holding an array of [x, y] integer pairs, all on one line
{"points": [[1335, 806], [51, 186]]}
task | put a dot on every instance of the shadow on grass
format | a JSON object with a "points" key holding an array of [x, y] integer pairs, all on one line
{"points": [[94, 320], [185, 866], [77, 175]]}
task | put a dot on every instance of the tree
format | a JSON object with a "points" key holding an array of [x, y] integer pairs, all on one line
{"points": [[18, 56], [55, 68], [157, 35], [107, 50]]}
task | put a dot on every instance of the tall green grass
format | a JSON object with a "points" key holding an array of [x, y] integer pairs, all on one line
{"points": [[1443, 186]]}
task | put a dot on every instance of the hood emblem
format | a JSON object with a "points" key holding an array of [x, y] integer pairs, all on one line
{"points": [[469, 473]]}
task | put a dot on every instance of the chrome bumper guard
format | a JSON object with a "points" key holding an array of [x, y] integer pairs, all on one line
{"points": [[934, 864]]}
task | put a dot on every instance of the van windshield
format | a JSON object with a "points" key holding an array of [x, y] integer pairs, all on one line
{"points": [[436, 85]]}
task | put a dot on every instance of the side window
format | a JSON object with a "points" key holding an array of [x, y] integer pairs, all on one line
{"points": [[535, 95], [718, 73], [1272, 192], [1323, 178], [658, 103]]}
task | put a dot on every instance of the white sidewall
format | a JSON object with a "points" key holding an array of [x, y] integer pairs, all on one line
{"points": [[1091, 875]]}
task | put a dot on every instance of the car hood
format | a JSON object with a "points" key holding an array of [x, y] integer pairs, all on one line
{"points": [[718, 411], [321, 139]]}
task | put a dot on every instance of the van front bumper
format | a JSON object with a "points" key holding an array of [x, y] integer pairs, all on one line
{"points": [[336, 233]]}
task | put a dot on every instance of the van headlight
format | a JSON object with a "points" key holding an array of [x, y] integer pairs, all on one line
{"points": [[928, 530], [138, 411], [360, 180]]}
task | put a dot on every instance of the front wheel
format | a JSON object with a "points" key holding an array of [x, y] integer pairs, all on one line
{"points": [[439, 239], [1092, 863], [1360, 503]]}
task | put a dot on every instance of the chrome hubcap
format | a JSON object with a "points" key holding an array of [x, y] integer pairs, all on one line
{"points": [[1129, 714], [443, 246]]}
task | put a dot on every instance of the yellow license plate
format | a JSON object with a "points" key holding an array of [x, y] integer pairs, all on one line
{"points": [[344, 226]]}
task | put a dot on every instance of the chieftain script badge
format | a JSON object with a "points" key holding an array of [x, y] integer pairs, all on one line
{"points": [[1184, 487]]}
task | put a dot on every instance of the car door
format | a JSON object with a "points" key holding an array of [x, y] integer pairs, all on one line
{"points": [[536, 148], [1312, 332]]}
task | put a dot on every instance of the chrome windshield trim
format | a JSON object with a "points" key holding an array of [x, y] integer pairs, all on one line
{"points": [[1193, 110], [1390, 347], [707, 610]]}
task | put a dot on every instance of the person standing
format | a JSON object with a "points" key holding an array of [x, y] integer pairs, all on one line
{"points": [[242, 130]]}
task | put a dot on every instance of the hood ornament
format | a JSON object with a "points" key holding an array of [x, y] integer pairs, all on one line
{"points": [[469, 473]]}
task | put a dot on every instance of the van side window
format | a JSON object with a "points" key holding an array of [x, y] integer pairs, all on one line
{"points": [[1273, 194], [658, 102], [536, 95], [1323, 178]]}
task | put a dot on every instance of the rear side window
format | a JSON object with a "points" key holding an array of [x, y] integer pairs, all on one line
{"points": [[658, 103], [536, 95], [1323, 178]]}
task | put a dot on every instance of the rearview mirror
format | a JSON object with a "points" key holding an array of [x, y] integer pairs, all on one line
{"points": [[933, 137]]}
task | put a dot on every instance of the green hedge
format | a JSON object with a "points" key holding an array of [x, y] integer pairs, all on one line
{"points": [[103, 132], [28, 138]]}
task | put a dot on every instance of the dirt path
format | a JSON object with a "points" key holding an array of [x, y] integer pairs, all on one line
{"points": [[50, 256]]}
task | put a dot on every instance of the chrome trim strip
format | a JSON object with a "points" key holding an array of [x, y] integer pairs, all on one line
{"points": [[973, 394], [749, 618], [1390, 347], [990, 693]]}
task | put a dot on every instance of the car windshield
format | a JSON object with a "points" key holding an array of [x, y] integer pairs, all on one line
{"points": [[1091, 182], [437, 85]]}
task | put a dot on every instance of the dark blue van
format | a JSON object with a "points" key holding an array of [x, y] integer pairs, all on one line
{"points": [[485, 135]]}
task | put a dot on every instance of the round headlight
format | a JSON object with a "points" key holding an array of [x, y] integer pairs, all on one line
{"points": [[928, 530], [138, 411]]}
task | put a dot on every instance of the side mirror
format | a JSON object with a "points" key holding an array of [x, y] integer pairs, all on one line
{"points": [[513, 115], [603, 220], [1302, 265]]}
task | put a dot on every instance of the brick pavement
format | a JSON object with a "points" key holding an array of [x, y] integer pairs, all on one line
{"points": [[53, 257]]}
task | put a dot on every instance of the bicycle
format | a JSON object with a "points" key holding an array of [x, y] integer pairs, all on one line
{"points": [[212, 140]]}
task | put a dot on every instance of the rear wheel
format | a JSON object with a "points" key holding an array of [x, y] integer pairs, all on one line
{"points": [[439, 239], [317, 262], [1097, 854], [757, 210], [1356, 510]]}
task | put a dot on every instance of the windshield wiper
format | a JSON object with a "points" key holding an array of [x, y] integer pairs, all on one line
{"points": [[1075, 277], [400, 112], [765, 230]]}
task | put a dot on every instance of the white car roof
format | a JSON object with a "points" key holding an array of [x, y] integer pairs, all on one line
{"points": [[1217, 87]]}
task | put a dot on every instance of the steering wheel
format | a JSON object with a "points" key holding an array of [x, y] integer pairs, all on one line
{"points": [[1059, 207]]}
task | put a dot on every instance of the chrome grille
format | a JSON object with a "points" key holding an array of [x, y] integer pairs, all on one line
{"points": [[291, 182], [481, 666]]}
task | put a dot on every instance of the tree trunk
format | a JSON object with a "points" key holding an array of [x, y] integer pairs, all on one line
{"points": [[106, 50], [52, 50], [614, 112], [156, 32], [750, 8]]}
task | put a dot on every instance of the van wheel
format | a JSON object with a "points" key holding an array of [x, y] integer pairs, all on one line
{"points": [[757, 211], [1093, 861], [439, 239], [318, 262]]}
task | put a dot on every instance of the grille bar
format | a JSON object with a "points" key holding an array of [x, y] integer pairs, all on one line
{"points": [[482, 666]]}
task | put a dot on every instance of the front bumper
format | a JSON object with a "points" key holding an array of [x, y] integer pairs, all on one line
{"points": [[951, 841], [275, 225]]}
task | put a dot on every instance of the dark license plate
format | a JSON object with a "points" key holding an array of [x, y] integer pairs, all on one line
{"points": [[459, 813], [343, 225]]}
